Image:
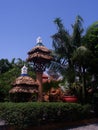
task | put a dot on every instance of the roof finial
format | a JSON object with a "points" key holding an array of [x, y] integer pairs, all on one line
{"points": [[39, 40], [24, 71]]}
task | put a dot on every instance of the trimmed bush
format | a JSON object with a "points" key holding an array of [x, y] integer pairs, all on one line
{"points": [[34, 113]]}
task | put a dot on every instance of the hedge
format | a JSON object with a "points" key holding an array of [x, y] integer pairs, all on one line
{"points": [[35, 113]]}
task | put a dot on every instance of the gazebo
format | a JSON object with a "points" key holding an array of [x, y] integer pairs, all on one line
{"points": [[24, 87], [39, 56]]}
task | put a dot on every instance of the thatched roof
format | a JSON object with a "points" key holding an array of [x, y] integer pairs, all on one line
{"points": [[23, 89], [26, 80], [39, 49], [39, 57], [39, 53], [24, 84]]}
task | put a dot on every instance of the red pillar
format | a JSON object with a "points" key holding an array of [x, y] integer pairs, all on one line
{"points": [[40, 88]]}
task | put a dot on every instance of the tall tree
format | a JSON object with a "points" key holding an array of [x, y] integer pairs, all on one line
{"points": [[91, 37], [64, 44], [82, 59], [77, 32], [61, 43], [91, 42]]}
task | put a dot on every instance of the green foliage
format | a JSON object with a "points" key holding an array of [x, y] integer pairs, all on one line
{"points": [[30, 114], [61, 42], [82, 56], [6, 80], [91, 42], [76, 54], [65, 44], [5, 65], [77, 32], [48, 85], [91, 36]]}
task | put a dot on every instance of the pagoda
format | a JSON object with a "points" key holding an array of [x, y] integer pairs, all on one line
{"points": [[39, 56], [24, 87]]}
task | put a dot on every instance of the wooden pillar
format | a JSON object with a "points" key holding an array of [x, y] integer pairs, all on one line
{"points": [[40, 88]]}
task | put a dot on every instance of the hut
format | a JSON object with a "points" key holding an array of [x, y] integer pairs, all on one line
{"points": [[24, 88], [39, 56]]}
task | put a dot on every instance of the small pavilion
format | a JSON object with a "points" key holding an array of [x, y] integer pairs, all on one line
{"points": [[39, 56], [24, 87]]}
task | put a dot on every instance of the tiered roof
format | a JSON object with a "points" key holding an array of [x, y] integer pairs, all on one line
{"points": [[39, 53], [24, 83]]}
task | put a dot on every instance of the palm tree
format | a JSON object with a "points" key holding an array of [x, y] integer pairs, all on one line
{"points": [[77, 32], [61, 43], [64, 45]]}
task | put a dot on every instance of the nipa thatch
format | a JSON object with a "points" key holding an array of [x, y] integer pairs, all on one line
{"points": [[23, 89], [24, 80], [24, 84], [39, 49]]}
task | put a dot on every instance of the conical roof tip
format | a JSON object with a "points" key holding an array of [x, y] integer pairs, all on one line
{"points": [[24, 71], [39, 41]]}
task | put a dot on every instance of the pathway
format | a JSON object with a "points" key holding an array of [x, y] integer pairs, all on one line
{"points": [[86, 127]]}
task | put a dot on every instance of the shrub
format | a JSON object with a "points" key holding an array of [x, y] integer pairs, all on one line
{"points": [[30, 114]]}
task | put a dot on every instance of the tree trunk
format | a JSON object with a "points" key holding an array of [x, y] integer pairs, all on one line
{"points": [[84, 85]]}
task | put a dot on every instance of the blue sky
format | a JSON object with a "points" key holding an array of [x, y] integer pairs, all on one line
{"points": [[22, 21]]}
